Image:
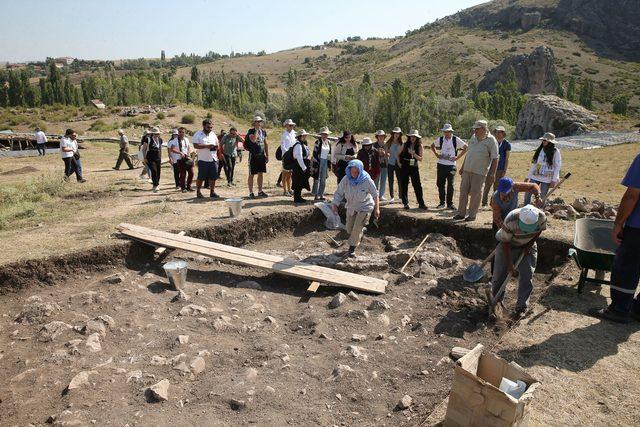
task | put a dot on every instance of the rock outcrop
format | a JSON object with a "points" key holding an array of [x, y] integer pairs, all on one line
{"points": [[549, 113], [535, 73]]}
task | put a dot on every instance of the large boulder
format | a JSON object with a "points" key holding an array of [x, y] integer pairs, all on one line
{"points": [[535, 73], [530, 20], [549, 113]]}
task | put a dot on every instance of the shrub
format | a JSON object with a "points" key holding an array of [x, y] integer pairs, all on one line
{"points": [[188, 119], [101, 126], [160, 115], [209, 115], [621, 104]]}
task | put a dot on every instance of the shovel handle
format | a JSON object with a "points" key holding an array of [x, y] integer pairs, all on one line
{"points": [[564, 178], [414, 253], [489, 257]]}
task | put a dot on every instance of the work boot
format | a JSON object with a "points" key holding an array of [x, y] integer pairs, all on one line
{"points": [[608, 314], [458, 217]]}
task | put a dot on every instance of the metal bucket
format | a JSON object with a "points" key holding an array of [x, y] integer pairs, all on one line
{"points": [[176, 271], [235, 206]]}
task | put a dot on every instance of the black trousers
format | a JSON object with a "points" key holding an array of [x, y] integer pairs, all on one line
{"points": [[125, 157], [626, 273], [41, 149], [70, 166], [393, 171], [410, 173], [229, 167], [154, 167], [176, 173], [446, 174]]}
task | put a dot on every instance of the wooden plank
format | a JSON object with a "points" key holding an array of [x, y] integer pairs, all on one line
{"points": [[160, 250], [313, 287], [151, 235], [274, 263]]}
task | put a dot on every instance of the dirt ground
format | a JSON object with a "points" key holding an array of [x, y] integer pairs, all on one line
{"points": [[286, 355]]}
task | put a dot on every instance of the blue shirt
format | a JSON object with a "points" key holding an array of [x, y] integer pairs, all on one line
{"points": [[503, 147], [508, 206], [632, 179]]}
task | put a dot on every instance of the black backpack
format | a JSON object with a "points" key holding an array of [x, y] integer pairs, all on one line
{"points": [[455, 143], [288, 162]]}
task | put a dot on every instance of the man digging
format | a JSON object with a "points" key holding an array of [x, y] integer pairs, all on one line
{"points": [[518, 233]]}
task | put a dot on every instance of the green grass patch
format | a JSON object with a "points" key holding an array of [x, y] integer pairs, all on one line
{"points": [[26, 200]]}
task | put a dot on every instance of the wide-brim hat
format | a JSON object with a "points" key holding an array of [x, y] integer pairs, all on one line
{"points": [[257, 119], [548, 136], [447, 128], [302, 132], [396, 130], [414, 132], [481, 124], [380, 133], [325, 130], [366, 141], [288, 122], [500, 129], [155, 130]]}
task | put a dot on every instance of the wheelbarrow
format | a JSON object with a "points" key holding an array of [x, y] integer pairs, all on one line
{"points": [[593, 249]]}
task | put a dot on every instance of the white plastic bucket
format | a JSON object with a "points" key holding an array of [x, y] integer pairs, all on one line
{"points": [[235, 206], [176, 272]]}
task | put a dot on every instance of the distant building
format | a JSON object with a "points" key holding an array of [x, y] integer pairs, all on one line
{"points": [[98, 104], [59, 65], [67, 60]]}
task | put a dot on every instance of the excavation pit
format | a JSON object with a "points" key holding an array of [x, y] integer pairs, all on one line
{"points": [[242, 345]]}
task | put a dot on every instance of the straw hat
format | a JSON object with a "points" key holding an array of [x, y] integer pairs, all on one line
{"points": [[155, 130], [548, 136], [447, 128], [325, 130], [481, 124], [366, 141], [174, 131], [257, 119], [396, 130], [302, 132], [500, 129], [414, 132], [380, 133], [288, 122]]}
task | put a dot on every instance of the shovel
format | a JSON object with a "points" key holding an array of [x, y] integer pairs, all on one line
{"points": [[475, 272]]}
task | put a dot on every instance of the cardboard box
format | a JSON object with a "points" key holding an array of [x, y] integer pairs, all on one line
{"points": [[476, 400]]}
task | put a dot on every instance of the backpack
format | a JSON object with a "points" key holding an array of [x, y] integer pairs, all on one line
{"points": [[279, 153], [455, 143], [288, 162]]}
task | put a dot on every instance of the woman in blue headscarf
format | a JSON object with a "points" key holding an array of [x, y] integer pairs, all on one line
{"points": [[361, 196]]}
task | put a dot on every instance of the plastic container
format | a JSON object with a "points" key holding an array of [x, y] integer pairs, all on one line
{"points": [[514, 389], [176, 272], [235, 206]]}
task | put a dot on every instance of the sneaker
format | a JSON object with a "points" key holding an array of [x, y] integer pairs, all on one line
{"points": [[278, 185], [214, 196], [115, 168], [608, 314], [189, 189], [384, 199], [252, 196], [155, 189], [150, 181], [469, 219], [407, 207], [452, 207], [440, 206], [458, 217], [284, 193], [82, 180], [423, 207], [351, 253], [184, 190], [199, 195], [392, 200], [263, 194], [300, 201], [519, 314]]}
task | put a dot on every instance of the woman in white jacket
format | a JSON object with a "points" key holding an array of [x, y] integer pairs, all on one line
{"points": [[545, 166]]}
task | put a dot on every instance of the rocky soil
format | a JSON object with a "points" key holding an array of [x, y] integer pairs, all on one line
{"points": [[239, 345], [580, 208]]}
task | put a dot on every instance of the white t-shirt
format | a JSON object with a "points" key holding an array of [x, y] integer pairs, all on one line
{"points": [[67, 143], [41, 138], [183, 147], [205, 154], [447, 150], [325, 148], [541, 171], [287, 140]]}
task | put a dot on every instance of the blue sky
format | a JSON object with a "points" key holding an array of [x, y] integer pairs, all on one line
{"points": [[99, 29]]}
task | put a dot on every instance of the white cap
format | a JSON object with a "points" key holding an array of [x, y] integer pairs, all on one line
{"points": [[529, 214], [447, 128], [288, 122], [257, 119], [366, 141], [380, 133]]}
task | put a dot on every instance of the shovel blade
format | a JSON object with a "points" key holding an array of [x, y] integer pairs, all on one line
{"points": [[473, 273]]}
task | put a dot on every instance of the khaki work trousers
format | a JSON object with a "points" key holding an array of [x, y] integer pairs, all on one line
{"points": [[470, 193], [356, 222]]}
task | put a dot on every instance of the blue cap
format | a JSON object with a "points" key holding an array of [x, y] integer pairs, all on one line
{"points": [[505, 185]]}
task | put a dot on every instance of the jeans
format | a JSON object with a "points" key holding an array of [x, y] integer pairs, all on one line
{"points": [[626, 273], [411, 173], [544, 189], [71, 166], [381, 181], [526, 268], [229, 167], [320, 182], [394, 171], [41, 149], [446, 174]]}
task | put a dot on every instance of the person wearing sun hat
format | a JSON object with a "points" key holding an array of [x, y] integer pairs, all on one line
{"points": [[153, 150], [409, 159], [518, 233], [545, 165], [370, 158], [255, 142], [383, 156], [451, 148], [320, 158], [393, 147]]}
